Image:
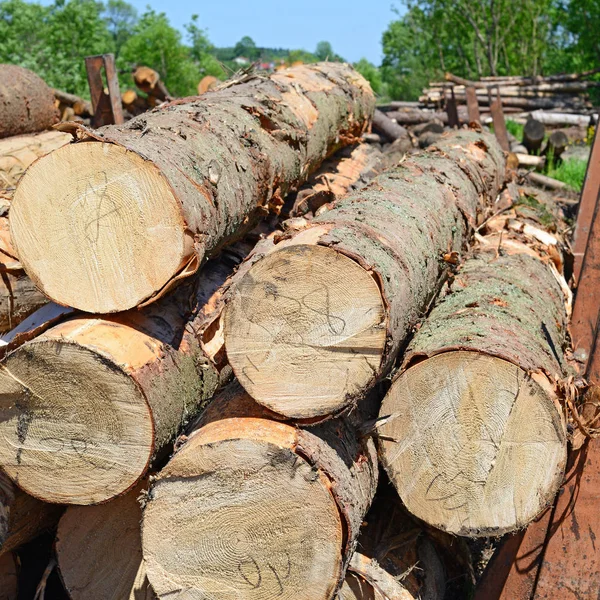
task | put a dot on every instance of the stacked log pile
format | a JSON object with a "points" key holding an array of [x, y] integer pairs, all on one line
{"points": [[182, 484]]}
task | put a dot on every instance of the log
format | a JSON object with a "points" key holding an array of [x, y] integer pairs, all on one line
{"points": [[17, 153], [119, 387], [530, 160], [80, 106], [26, 102], [414, 117], [475, 438], [22, 517], [99, 551], [556, 145], [148, 80], [331, 305], [383, 125], [563, 119], [253, 508], [154, 197], [533, 135], [546, 182], [207, 83], [9, 577], [18, 295]]}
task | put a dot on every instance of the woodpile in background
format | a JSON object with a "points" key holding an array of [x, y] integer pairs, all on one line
{"points": [[420, 279]]}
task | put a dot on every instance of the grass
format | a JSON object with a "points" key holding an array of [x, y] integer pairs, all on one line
{"points": [[515, 128], [570, 171]]}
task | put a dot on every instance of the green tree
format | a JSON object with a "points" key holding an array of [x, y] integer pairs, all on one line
{"points": [[202, 51], [372, 74], [324, 51], [156, 44], [120, 18], [247, 48]]}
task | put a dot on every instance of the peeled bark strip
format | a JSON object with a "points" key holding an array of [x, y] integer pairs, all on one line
{"points": [[17, 153], [252, 508], [99, 551], [158, 194], [475, 443], [22, 517], [9, 577], [26, 102], [322, 316]]}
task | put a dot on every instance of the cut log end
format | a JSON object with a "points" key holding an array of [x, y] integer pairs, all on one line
{"points": [[74, 428], [111, 567], [265, 527], [109, 207], [474, 445], [305, 331]]}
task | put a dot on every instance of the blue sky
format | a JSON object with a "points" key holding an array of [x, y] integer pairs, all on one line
{"points": [[352, 27]]}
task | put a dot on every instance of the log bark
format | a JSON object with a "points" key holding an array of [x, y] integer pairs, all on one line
{"points": [[157, 195], [22, 517], [383, 125], [530, 160], [253, 508], [9, 577], [99, 551], [26, 102], [17, 153], [417, 116], [533, 135], [475, 438], [546, 182], [331, 305]]}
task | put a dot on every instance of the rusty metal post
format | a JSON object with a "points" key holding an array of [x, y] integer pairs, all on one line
{"points": [[107, 106], [472, 105], [499, 122], [585, 213], [559, 555], [451, 109]]}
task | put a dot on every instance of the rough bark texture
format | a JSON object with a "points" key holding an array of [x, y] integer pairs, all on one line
{"points": [[22, 517], [214, 164], [395, 232], [99, 551], [17, 153], [316, 530], [475, 439], [26, 102]]}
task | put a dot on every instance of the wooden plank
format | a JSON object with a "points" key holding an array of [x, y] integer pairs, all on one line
{"points": [[499, 123], [472, 105]]}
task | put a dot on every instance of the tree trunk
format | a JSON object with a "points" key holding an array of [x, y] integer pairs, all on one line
{"points": [[533, 135], [114, 391], [475, 439], [556, 145], [99, 551], [383, 125], [416, 116], [254, 508], [153, 197], [323, 315], [563, 119], [26, 102], [17, 153], [8, 577], [22, 517]]}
